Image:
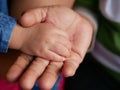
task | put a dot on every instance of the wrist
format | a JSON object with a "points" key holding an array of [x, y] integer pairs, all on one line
{"points": [[17, 37]]}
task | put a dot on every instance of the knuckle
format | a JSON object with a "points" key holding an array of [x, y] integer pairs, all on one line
{"points": [[34, 71]]}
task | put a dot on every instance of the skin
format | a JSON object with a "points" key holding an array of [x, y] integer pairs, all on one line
{"points": [[49, 71], [79, 38], [6, 60], [37, 41], [19, 7]]}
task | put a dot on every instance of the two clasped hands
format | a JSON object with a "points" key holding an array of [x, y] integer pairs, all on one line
{"points": [[54, 41]]}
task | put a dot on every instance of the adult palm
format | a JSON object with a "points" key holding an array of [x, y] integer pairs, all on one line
{"points": [[80, 32]]}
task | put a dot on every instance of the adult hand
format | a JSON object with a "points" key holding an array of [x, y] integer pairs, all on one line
{"points": [[79, 28], [80, 32]]}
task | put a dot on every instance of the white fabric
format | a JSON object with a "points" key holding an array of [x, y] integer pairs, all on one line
{"points": [[106, 57], [110, 9]]}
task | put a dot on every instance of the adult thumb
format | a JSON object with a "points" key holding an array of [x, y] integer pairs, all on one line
{"points": [[33, 16]]}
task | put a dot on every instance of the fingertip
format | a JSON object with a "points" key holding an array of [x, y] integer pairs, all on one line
{"points": [[47, 81], [63, 58], [12, 75], [45, 84], [60, 59], [27, 20], [66, 54], [68, 73], [52, 56], [26, 84], [9, 78]]}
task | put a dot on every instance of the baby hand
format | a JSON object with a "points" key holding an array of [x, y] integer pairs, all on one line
{"points": [[78, 27], [43, 40], [46, 41]]}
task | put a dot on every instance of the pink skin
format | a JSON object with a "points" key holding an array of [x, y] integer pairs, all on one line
{"points": [[80, 32]]}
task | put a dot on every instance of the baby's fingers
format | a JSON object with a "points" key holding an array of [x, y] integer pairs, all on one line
{"points": [[18, 67], [61, 47], [60, 50], [52, 56]]}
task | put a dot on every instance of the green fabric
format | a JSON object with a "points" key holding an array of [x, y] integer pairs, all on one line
{"points": [[91, 4], [114, 74], [109, 35], [108, 32]]}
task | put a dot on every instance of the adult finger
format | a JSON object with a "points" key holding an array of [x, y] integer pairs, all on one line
{"points": [[50, 75], [82, 37], [32, 73], [18, 67], [71, 64]]}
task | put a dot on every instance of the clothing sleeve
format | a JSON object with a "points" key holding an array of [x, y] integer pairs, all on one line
{"points": [[7, 24], [91, 17], [110, 9]]}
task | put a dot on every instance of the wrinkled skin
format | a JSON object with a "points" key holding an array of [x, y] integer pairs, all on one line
{"points": [[80, 32]]}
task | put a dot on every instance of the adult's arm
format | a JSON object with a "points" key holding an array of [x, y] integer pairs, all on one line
{"points": [[19, 7]]}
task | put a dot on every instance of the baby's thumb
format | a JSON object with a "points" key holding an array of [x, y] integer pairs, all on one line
{"points": [[33, 16]]}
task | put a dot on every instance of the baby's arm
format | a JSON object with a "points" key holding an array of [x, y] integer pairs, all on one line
{"points": [[43, 40]]}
